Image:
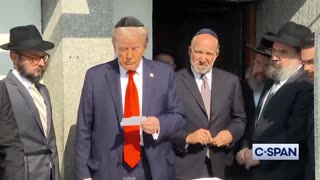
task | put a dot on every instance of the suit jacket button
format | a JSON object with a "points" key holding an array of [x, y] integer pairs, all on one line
{"points": [[48, 164], [118, 164]]}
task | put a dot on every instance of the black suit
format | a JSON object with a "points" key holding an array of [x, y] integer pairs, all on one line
{"points": [[11, 148], [285, 120], [227, 113]]}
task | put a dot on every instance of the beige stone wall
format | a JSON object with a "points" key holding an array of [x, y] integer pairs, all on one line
{"points": [[82, 31]]}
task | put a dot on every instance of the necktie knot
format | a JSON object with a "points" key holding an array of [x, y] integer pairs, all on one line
{"points": [[131, 73], [33, 87], [205, 80]]}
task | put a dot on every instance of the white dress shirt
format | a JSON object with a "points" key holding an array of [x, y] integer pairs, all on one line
{"points": [[198, 79], [274, 88], [25, 82], [137, 77]]}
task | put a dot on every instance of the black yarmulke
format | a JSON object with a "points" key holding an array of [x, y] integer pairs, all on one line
{"points": [[129, 21], [207, 31]]}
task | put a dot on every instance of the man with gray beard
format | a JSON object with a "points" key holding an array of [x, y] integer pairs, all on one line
{"points": [[215, 117], [282, 112]]}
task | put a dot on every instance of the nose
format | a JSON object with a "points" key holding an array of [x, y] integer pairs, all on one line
{"points": [[274, 58], [129, 54], [306, 68], [41, 62]]}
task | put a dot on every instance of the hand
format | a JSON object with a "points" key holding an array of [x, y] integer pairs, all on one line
{"points": [[240, 157], [223, 138], [201, 136], [249, 161], [88, 179], [150, 125]]}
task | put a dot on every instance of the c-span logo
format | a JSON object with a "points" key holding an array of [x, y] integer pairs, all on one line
{"points": [[275, 151]]}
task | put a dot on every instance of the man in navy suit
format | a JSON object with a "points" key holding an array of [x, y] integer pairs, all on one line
{"points": [[100, 138]]}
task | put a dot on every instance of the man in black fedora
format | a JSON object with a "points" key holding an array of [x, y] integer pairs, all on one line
{"points": [[283, 110], [31, 101]]}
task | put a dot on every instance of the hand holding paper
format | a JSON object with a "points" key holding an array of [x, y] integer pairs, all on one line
{"points": [[150, 125]]}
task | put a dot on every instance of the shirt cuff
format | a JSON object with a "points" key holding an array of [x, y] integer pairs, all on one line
{"points": [[156, 135], [186, 146]]}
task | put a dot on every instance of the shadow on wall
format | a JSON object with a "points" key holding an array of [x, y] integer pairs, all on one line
{"points": [[67, 166], [271, 14], [79, 25]]}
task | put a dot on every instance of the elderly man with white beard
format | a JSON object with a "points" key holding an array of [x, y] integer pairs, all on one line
{"points": [[282, 112]]}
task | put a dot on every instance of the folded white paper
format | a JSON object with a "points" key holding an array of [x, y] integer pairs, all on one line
{"points": [[132, 121]]}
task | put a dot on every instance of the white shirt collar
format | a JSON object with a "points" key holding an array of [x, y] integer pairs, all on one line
{"points": [[26, 83], [123, 72], [198, 76]]}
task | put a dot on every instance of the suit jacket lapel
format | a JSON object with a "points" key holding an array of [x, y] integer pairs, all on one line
{"points": [[192, 86], [216, 82], [296, 76], [27, 97], [147, 85], [113, 80]]}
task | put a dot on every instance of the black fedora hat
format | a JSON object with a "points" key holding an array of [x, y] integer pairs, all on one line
{"points": [[309, 42], [26, 38], [291, 34], [264, 46]]}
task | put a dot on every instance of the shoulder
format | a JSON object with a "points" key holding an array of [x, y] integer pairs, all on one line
{"points": [[2, 83], [101, 68], [157, 65], [183, 73], [224, 74]]}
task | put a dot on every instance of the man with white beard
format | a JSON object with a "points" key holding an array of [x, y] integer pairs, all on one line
{"points": [[282, 112]]}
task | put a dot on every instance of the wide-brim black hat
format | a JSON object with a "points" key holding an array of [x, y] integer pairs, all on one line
{"points": [[264, 46], [26, 38], [291, 34], [260, 50]]}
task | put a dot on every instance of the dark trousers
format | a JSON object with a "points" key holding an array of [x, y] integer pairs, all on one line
{"points": [[140, 172]]}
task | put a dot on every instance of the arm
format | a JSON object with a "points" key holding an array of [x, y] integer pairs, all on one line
{"points": [[299, 118], [173, 118], [238, 116], [11, 148], [83, 131]]}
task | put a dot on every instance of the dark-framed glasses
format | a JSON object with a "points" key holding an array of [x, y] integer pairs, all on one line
{"points": [[308, 62], [35, 60]]}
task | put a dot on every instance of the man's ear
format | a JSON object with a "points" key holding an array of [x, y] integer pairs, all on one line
{"points": [[217, 53], [14, 58]]}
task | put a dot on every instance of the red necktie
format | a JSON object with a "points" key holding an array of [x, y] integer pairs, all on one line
{"points": [[131, 133]]}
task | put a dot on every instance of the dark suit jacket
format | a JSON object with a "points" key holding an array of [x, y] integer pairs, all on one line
{"points": [[11, 148], [227, 113], [285, 120], [40, 151], [99, 136]]}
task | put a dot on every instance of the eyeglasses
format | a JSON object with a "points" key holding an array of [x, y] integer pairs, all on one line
{"points": [[35, 60], [308, 62], [281, 53]]}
